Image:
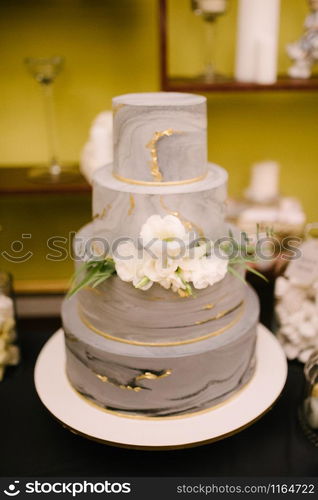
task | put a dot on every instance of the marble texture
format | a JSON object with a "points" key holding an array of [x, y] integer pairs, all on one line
{"points": [[160, 136], [160, 316], [154, 353], [118, 212], [160, 381]]}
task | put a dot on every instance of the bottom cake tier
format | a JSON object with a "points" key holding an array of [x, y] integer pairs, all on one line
{"points": [[160, 381]]}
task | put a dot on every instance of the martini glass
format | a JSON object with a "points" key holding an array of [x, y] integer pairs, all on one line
{"points": [[45, 70], [210, 11]]}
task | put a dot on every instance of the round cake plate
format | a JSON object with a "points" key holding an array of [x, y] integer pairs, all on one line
{"points": [[226, 419]]}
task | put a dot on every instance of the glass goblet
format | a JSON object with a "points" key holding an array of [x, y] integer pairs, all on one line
{"points": [[45, 70], [210, 10]]}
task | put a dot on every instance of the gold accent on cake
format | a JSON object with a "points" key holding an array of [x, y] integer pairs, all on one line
{"points": [[207, 307], [220, 314], [153, 376], [154, 183], [117, 107], [187, 223], [106, 335], [104, 378], [152, 145], [131, 204], [173, 417], [103, 213], [134, 387]]}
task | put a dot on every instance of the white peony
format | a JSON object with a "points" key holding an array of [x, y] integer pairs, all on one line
{"points": [[164, 235]]}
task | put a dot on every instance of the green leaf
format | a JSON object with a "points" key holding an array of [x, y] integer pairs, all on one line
{"points": [[254, 271], [235, 273], [144, 281], [92, 273]]}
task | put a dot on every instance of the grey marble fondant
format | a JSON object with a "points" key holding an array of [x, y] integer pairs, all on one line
{"points": [[160, 130], [122, 213], [185, 378], [153, 353], [161, 316]]}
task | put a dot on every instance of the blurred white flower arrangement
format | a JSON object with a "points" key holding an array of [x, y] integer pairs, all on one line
{"points": [[9, 353], [297, 313], [98, 150]]}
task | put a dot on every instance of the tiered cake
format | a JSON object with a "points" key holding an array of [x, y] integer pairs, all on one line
{"points": [[154, 353]]}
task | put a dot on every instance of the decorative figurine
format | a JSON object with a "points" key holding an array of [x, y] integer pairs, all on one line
{"points": [[304, 52]]}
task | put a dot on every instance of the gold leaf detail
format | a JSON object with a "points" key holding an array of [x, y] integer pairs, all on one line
{"points": [[208, 307], [220, 315], [131, 204], [134, 387], [103, 213], [117, 107], [153, 376], [187, 223], [152, 145]]}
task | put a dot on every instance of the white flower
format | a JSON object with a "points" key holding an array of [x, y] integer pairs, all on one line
{"points": [[205, 271], [157, 269], [174, 282], [168, 258], [212, 269], [130, 266], [164, 235]]}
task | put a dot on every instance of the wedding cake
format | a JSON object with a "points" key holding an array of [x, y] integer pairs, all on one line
{"points": [[159, 325]]}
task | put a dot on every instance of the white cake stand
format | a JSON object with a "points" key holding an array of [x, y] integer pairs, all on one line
{"points": [[228, 418]]}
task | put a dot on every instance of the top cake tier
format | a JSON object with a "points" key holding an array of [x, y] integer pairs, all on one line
{"points": [[160, 138]]}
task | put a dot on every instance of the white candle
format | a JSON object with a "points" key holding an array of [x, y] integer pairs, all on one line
{"points": [[264, 184], [257, 39], [212, 6]]}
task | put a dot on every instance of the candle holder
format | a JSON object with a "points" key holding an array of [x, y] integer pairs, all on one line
{"points": [[308, 411], [210, 11]]}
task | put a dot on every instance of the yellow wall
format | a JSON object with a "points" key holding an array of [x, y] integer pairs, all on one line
{"points": [[111, 48]]}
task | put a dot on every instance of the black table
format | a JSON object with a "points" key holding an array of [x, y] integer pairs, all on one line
{"points": [[34, 444]]}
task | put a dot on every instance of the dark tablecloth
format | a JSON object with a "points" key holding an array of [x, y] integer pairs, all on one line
{"points": [[32, 443]]}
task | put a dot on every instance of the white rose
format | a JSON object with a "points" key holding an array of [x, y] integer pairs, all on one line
{"points": [[163, 235]]}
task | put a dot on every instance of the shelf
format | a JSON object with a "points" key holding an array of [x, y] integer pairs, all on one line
{"points": [[15, 180], [198, 85], [183, 84]]}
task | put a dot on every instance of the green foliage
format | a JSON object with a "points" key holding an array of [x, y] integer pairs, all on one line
{"points": [[244, 254], [91, 273]]}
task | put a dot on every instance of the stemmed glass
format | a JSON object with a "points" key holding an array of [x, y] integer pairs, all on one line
{"points": [[210, 10], [45, 70]]}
